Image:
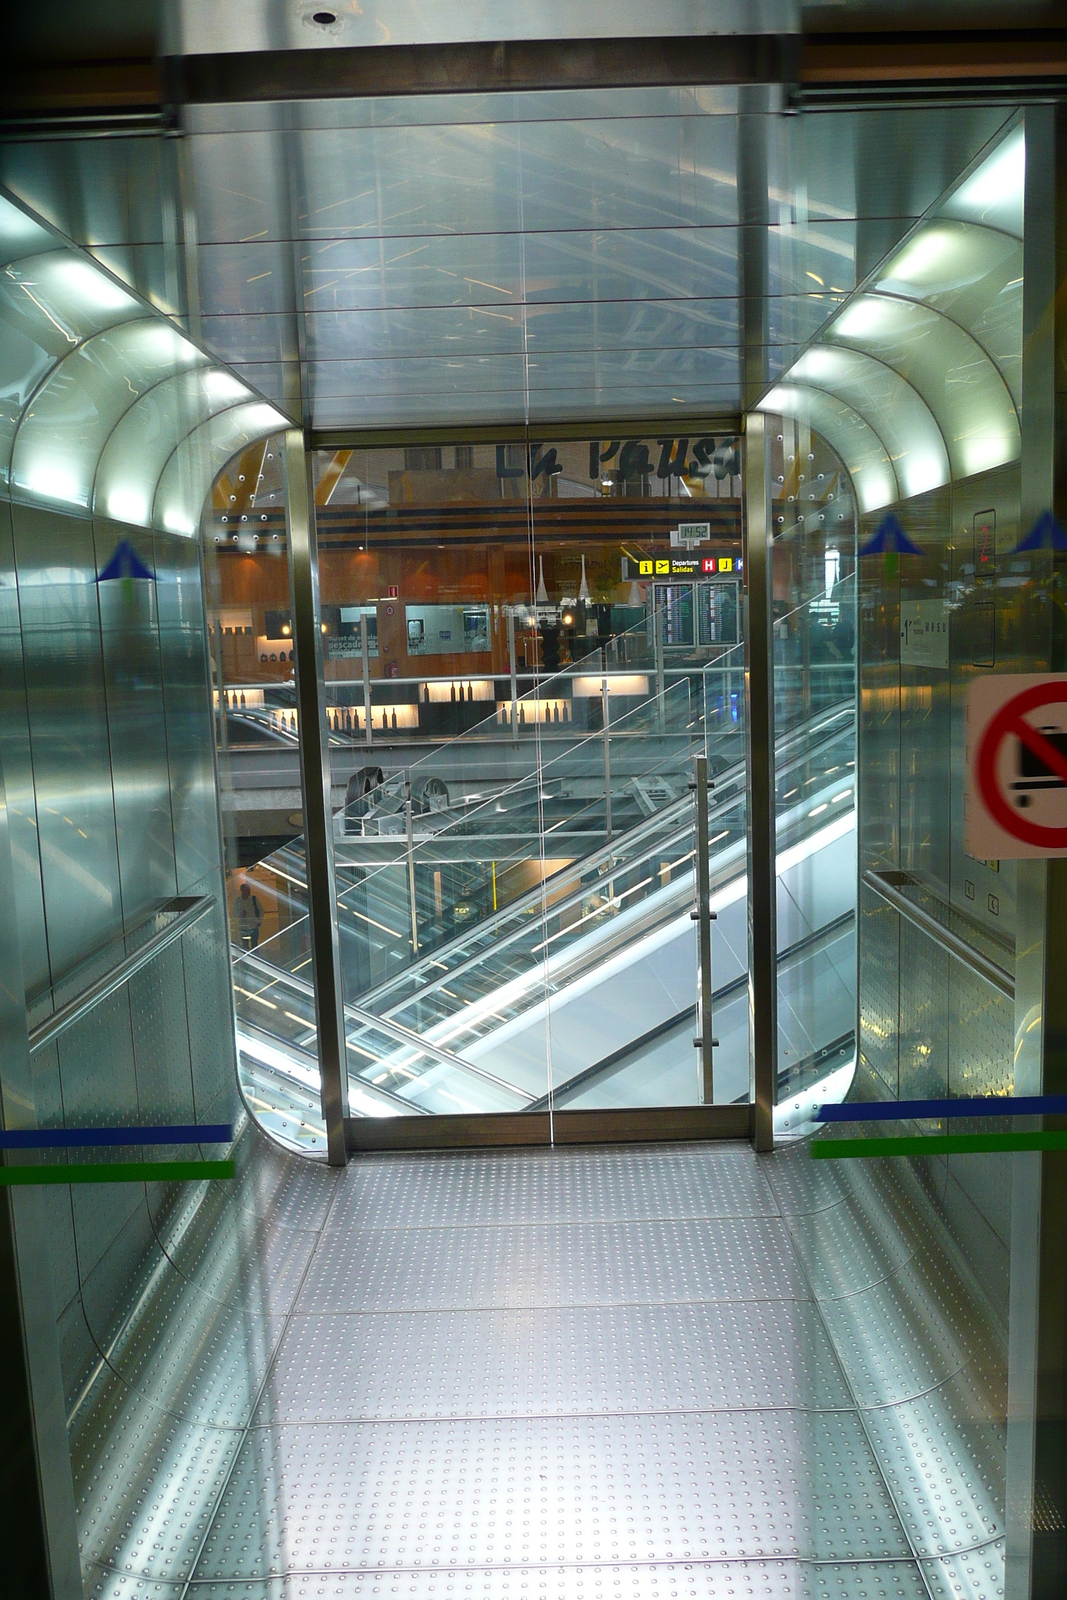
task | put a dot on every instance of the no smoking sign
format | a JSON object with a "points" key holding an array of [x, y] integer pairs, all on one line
{"points": [[1017, 766]]}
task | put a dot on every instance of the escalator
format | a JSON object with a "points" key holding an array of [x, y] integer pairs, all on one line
{"points": [[593, 969], [413, 874]]}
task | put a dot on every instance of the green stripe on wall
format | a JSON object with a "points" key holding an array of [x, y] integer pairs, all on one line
{"points": [[935, 1144], [120, 1172]]}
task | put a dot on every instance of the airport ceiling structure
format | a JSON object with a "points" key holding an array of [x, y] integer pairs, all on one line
{"points": [[107, 409], [543, 257]]}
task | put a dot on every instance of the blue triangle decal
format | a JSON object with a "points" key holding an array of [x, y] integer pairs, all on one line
{"points": [[125, 563], [890, 537], [1046, 534]]}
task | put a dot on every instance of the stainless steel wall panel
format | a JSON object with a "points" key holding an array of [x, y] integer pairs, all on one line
{"points": [[190, 725], [973, 1189], [56, 1206], [878, 721], [924, 984], [79, 1353], [18, 773], [981, 1025], [114, 1288], [137, 733], [981, 1062], [955, 1033], [68, 731], [97, 1068], [209, 1019], [974, 1575], [157, 1001], [99, 1218], [925, 742], [944, 1460], [47, 1089], [99, 1083], [879, 981], [173, 1469], [38, 1533]]}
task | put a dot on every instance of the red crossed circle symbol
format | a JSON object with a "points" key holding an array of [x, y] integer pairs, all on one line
{"points": [[1010, 720]]}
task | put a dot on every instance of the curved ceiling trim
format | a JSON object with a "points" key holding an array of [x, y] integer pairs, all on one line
{"points": [[105, 353], [195, 462], [948, 368], [914, 442], [874, 480], [137, 497], [99, 399], [889, 294], [961, 390]]}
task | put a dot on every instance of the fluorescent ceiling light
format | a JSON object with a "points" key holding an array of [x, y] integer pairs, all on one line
{"points": [[820, 365], [1000, 177], [127, 504], [223, 386], [16, 230], [164, 343], [866, 318], [91, 288], [925, 259], [920, 472], [49, 479]]}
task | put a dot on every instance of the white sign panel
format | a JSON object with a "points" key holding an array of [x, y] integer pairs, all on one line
{"points": [[923, 633], [1016, 799]]}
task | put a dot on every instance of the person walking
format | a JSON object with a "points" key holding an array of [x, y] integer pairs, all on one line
{"points": [[248, 914]]}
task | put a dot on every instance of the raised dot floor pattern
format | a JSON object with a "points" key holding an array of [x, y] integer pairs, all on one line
{"points": [[626, 1373]]}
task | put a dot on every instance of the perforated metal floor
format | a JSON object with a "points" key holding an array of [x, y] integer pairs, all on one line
{"points": [[611, 1373]]}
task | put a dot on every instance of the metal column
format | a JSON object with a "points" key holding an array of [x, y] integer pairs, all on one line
{"points": [[759, 754], [364, 648], [703, 917], [661, 675], [514, 680], [1036, 1478], [409, 832], [315, 789], [605, 701]]}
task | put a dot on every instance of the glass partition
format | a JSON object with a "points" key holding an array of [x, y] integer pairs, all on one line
{"points": [[525, 647], [258, 754], [813, 515]]}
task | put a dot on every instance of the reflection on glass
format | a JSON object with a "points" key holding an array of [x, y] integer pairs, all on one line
{"points": [[257, 736], [814, 558], [512, 726], [513, 721]]}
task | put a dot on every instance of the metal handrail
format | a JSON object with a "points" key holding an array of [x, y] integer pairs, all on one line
{"points": [[979, 964], [384, 1025], [67, 1015], [604, 857]]}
